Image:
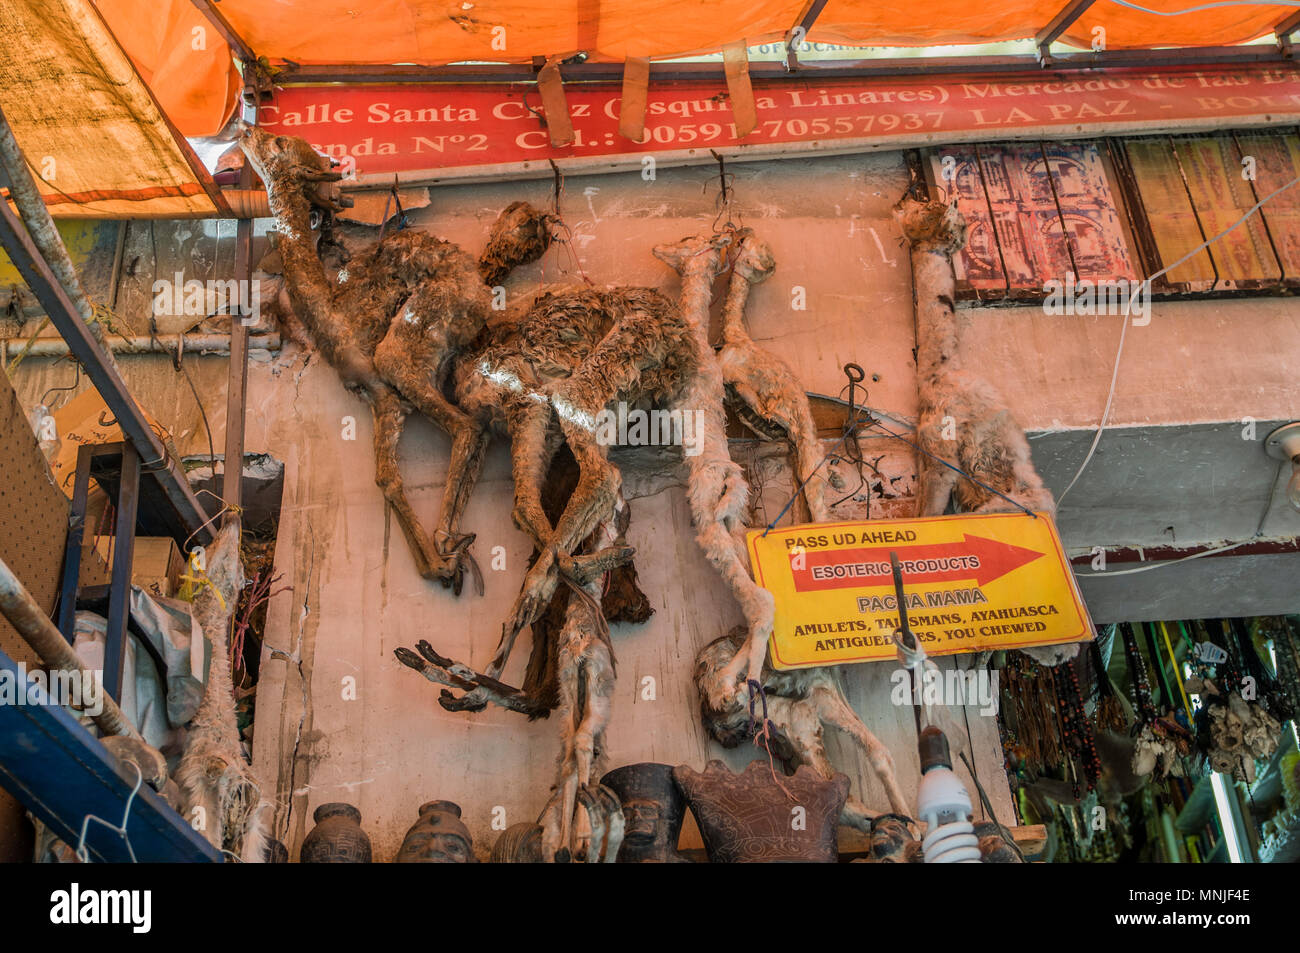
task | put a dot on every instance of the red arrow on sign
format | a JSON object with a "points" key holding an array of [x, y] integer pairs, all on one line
{"points": [[976, 557]]}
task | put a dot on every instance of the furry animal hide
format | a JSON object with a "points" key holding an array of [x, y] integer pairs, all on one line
{"points": [[519, 236], [963, 419], [391, 320], [716, 487], [217, 785], [621, 601], [763, 384]]}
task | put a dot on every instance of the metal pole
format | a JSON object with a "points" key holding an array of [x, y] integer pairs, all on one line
{"points": [[99, 366], [237, 384], [39, 224], [905, 633], [168, 344], [18, 606], [1063, 20], [119, 598], [237, 381]]}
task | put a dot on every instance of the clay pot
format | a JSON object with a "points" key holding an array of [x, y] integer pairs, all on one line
{"points": [[438, 837], [653, 811], [518, 844], [337, 837]]}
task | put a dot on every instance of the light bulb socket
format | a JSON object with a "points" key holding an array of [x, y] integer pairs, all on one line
{"points": [[933, 748], [1284, 442]]}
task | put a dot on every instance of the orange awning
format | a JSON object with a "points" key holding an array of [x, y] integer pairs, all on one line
{"points": [[96, 142], [196, 85]]}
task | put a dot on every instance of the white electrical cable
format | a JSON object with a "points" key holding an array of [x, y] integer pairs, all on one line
{"points": [[1207, 6], [1159, 565], [1119, 352], [1259, 532]]}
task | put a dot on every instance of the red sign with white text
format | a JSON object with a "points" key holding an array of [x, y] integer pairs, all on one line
{"points": [[439, 127]]}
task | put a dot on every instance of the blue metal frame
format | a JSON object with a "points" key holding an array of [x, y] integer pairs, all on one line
{"points": [[62, 774]]}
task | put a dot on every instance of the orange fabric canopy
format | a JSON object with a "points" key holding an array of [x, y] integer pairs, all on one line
{"points": [[189, 68], [97, 144]]}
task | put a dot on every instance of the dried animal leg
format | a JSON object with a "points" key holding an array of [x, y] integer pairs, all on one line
{"points": [[586, 681], [389, 420], [833, 710], [597, 490], [764, 382], [533, 444], [716, 486], [443, 671]]}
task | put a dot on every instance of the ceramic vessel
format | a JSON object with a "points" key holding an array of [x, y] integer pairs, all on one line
{"points": [[653, 810], [337, 837], [438, 837], [754, 817]]}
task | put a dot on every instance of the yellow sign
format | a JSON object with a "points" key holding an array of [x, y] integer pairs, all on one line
{"points": [[971, 582]]}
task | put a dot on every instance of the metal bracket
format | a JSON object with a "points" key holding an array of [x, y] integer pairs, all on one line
{"points": [[1048, 35], [1283, 31], [805, 23]]}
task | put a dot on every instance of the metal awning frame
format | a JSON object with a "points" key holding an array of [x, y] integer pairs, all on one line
{"points": [[791, 68]]}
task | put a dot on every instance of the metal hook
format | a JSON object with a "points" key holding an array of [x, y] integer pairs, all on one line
{"points": [[559, 184], [76, 379], [392, 198], [722, 174]]}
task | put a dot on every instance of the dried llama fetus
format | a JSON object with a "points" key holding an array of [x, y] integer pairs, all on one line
{"points": [[764, 384], [963, 420], [391, 321], [801, 703]]}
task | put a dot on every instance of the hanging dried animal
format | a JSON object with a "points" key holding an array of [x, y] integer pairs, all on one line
{"points": [[799, 704], [645, 349], [762, 390], [547, 378], [963, 421], [390, 322], [219, 792]]}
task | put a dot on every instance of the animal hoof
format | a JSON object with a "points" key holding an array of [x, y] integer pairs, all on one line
{"points": [[409, 658], [464, 703], [425, 649], [562, 856]]}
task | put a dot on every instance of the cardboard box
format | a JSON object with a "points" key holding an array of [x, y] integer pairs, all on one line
{"points": [[157, 565]]}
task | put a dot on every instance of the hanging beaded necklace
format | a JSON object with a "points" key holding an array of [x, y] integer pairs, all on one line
{"points": [[1138, 676], [1076, 730]]}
